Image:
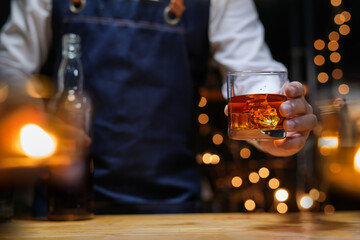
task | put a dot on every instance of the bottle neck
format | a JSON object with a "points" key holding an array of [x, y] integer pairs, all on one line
{"points": [[70, 75]]}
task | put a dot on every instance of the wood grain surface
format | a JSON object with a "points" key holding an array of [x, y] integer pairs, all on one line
{"points": [[341, 225]]}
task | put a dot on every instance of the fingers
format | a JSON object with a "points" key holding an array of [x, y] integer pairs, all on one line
{"points": [[295, 107], [294, 90], [300, 124], [177, 7], [226, 110]]}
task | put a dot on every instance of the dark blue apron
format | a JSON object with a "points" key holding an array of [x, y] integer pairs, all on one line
{"points": [[142, 75]]}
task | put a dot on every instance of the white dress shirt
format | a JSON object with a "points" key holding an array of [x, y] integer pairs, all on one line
{"points": [[236, 38]]}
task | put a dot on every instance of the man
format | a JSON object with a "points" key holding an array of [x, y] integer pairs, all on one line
{"points": [[142, 73]]}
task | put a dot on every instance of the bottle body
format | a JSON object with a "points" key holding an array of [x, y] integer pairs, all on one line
{"points": [[71, 198], [6, 204]]}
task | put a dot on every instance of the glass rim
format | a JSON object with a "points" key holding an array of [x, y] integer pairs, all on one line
{"points": [[270, 72]]}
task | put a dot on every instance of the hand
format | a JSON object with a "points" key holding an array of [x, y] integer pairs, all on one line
{"points": [[298, 124]]}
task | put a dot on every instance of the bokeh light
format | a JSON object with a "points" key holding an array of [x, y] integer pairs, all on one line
{"points": [[319, 44], [344, 29], [314, 194], [236, 181], [337, 73], [250, 205], [274, 183], [357, 161], [264, 172], [281, 195], [319, 60], [335, 57], [335, 3], [245, 153], [329, 209], [203, 118], [217, 139], [323, 77], [343, 89], [334, 36], [333, 46], [282, 208], [202, 102], [306, 202], [254, 177]]}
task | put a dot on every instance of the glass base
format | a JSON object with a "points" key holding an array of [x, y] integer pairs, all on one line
{"points": [[70, 217], [259, 135]]}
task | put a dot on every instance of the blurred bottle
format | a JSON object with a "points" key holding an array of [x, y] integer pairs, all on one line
{"points": [[71, 197]]}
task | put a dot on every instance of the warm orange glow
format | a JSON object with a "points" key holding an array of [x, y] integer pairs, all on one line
{"points": [[264, 172], [306, 202], [319, 44], [330, 142], [281, 195], [335, 168], [319, 60], [236, 181], [274, 183], [202, 102], [314, 194], [35, 142], [337, 73], [245, 153], [254, 177], [346, 15], [322, 197], [206, 158], [343, 89], [323, 77], [335, 57], [250, 205], [334, 36], [215, 159], [282, 208], [339, 19], [335, 3], [344, 29], [203, 118], [333, 45], [329, 209], [357, 161], [325, 151], [217, 139]]}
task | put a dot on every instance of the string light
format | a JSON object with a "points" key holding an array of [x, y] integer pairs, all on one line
{"points": [[329, 209], [335, 57], [250, 205], [319, 60], [274, 183], [323, 77], [337, 73], [245, 153], [202, 102], [334, 36], [236, 181], [322, 197], [281, 195], [339, 19], [206, 158], [335, 3], [282, 208], [344, 29], [319, 44], [343, 89], [306, 202], [203, 118], [314, 194], [333, 45], [335, 168], [346, 15], [217, 139], [264, 172], [254, 177]]}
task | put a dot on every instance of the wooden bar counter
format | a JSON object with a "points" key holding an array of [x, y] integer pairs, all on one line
{"points": [[341, 225]]}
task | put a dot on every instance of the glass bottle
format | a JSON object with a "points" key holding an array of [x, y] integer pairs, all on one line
{"points": [[70, 187]]}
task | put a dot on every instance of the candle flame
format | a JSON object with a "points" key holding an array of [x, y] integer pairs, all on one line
{"points": [[35, 142]]}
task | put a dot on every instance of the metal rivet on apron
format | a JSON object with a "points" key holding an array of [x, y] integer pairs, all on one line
{"points": [[76, 6], [170, 20]]}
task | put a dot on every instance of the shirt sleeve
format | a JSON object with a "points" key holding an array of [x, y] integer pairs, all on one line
{"points": [[236, 38], [24, 41]]}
